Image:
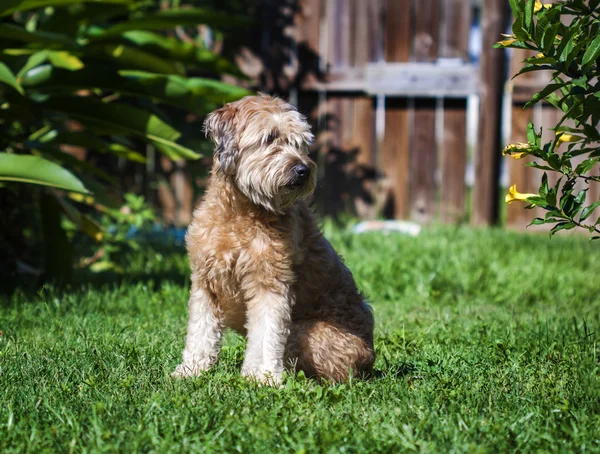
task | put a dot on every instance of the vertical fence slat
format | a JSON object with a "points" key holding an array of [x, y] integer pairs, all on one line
{"points": [[454, 161], [487, 160], [453, 154], [395, 152], [423, 158], [364, 34]]}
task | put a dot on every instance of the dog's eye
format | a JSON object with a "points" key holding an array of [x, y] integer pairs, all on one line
{"points": [[271, 137]]}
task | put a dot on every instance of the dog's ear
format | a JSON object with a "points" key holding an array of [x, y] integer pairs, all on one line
{"points": [[219, 126]]}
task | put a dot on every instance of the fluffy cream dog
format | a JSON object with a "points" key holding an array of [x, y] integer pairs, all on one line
{"points": [[260, 264]]}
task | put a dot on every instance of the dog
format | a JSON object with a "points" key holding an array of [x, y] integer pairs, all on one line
{"points": [[260, 264]]}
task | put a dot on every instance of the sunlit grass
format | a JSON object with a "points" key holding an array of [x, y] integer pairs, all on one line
{"points": [[487, 341]]}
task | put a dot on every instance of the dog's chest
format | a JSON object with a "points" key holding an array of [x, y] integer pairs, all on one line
{"points": [[233, 262]]}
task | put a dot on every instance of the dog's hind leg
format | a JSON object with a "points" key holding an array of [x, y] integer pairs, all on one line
{"points": [[203, 335], [329, 352]]}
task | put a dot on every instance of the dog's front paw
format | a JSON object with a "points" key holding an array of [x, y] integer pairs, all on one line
{"points": [[188, 370], [265, 377]]}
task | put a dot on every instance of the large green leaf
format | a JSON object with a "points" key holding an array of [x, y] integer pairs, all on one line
{"points": [[17, 33], [592, 52], [186, 91], [172, 18], [36, 170], [122, 119], [170, 48], [130, 57], [8, 78], [8, 7], [198, 95]]}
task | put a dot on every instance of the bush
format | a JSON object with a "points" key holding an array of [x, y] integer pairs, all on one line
{"points": [[565, 38], [102, 76]]}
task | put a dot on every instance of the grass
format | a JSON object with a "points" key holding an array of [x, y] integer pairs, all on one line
{"points": [[487, 341]]}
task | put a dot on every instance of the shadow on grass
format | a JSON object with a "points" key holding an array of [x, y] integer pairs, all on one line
{"points": [[153, 264]]}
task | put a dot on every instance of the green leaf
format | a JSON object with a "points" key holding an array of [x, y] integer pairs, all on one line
{"points": [[194, 94], [585, 166], [528, 17], [36, 170], [548, 39], [170, 48], [177, 17], [34, 60], [65, 60], [592, 52], [16, 33], [545, 19], [130, 57], [8, 78], [12, 6], [37, 75], [531, 68], [587, 211], [562, 226], [531, 135], [123, 119], [536, 165], [185, 91], [551, 88], [579, 200], [543, 191], [59, 59], [518, 28], [567, 47], [538, 221], [515, 6]]}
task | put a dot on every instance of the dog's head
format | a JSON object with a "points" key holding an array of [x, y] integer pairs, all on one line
{"points": [[262, 145]]}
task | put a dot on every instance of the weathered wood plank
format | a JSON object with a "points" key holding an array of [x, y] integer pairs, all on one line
{"points": [[422, 79], [492, 64], [456, 24], [453, 156], [365, 28], [423, 162], [394, 160], [424, 151], [453, 153], [402, 79]]}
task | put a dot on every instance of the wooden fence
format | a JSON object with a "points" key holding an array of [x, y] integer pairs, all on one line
{"points": [[385, 84]]}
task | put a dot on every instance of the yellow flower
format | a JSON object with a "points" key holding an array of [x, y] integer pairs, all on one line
{"points": [[517, 155], [509, 150], [82, 198], [564, 137], [539, 5], [506, 42], [513, 195], [540, 55]]}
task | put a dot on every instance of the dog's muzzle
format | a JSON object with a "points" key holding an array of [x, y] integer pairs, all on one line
{"points": [[300, 175]]}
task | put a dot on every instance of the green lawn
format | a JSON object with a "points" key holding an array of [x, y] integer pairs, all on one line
{"points": [[487, 341]]}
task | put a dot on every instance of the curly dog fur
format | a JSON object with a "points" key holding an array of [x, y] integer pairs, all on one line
{"points": [[260, 264]]}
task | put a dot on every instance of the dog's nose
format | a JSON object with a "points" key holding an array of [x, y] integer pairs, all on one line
{"points": [[302, 171]]}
